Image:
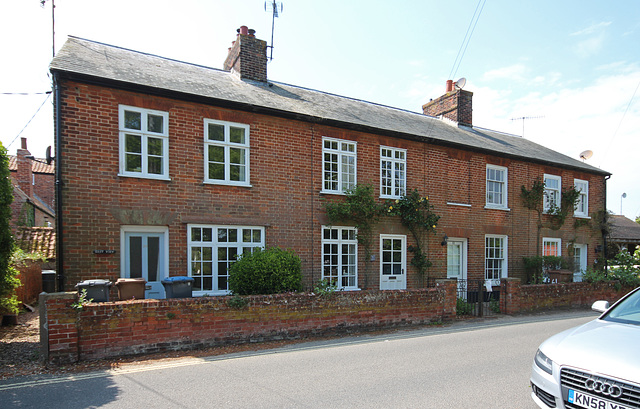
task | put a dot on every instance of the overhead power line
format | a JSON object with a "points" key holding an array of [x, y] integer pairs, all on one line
{"points": [[467, 38], [34, 115], [620, 123]]}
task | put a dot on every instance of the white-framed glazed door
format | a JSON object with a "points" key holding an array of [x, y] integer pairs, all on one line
{"points": [[145, 256], [579, 261], [393, 262], [457, 263]]}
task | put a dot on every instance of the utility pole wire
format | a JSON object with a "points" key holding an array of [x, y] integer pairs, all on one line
{"points": [[25, 127], [463, 46], [620, 123]]}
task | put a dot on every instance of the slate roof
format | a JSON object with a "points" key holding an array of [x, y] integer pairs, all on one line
{"points": [[623, 229], [37, 166], [108, 65]]}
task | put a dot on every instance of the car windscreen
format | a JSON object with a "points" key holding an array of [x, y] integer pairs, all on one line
{"points": [[627, 311]]}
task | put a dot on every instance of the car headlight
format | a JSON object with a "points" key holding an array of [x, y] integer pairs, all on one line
{"points": [[544, 362]]}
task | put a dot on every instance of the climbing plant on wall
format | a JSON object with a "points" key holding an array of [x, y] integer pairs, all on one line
{"points": [[360, 208], [417, 215]]}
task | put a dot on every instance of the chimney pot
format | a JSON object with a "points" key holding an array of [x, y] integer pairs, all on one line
{"points": [[449, 85], [252, 32], [247, 56], [23, 142]]}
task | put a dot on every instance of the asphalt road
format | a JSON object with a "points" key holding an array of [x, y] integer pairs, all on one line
{"points": [[474, 364]]}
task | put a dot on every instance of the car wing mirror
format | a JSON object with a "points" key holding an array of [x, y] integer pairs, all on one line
{"points": [[600, 306]]}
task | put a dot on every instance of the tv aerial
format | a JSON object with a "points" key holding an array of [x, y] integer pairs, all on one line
{"points": [[523, 118], [586, 155], [276, 9]]}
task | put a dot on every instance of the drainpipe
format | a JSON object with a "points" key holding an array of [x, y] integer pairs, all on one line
{"points": [[58, 158], [605, 230]]}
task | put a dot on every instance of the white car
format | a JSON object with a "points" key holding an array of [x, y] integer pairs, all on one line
{"points": [[595, 365]]}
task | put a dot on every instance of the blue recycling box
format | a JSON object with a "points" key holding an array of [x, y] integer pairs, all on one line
{"points": [[178, 287]]}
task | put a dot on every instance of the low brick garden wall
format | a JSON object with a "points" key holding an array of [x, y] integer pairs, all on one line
{"points": [[111, 329], [120, 328]]}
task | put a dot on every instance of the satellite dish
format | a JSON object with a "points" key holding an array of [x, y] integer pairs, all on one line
{"points": [[49, 158], [461, 82], [586, 155]]}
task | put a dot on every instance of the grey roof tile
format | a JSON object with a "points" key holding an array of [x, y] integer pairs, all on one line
{"points": [[101, 62]]}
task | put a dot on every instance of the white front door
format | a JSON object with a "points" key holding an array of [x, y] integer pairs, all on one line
{"points": [[457, 263], [393, 265], [579, 261], [144, 256]]}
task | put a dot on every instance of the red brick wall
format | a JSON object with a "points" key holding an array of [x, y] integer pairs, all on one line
{"points": [[111, 329], [286, 179]]}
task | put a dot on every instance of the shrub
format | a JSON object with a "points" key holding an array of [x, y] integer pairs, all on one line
{"points": [[325, 288], [269, 271], [463, 307]]}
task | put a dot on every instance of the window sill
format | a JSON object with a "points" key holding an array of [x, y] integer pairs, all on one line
{"points": [[332, 192], [139, 176], [209, 182], [210, 293], [458, 204], [579, 216], [506, 209]]}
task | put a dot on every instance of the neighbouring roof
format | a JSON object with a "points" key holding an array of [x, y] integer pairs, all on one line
{"points": [[37, 239], [37, 166], [126, 69], [34, 200], [623, 229]]}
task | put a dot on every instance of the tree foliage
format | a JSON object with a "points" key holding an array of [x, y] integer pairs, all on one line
{"points": [[8, 279]]}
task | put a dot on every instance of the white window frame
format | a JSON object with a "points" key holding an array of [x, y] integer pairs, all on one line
{"points": [[552, 198], [502, 204], [557, 243], [393, 172], [342, 150], [490, 257], [163, 230], [340, 243], [582, 205], [215, 244], [145, 135], [228, 146]]}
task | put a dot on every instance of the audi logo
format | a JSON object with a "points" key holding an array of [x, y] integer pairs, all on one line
{"points": [[603, 388]]}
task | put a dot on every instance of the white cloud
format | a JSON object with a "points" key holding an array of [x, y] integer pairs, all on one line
{"points": [[511, 72], [592, 29]]}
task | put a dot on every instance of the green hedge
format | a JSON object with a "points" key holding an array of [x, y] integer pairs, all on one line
{"points": [[269, 271]]}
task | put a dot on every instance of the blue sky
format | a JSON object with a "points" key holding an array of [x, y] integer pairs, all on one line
{"points": [[572, 66]]}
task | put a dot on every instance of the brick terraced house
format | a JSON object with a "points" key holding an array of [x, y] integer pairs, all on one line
{"points": [[169, 168]]}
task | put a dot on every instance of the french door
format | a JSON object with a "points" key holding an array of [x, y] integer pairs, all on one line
{"points": [[145, 256]]}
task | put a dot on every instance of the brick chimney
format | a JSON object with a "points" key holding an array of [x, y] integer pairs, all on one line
{"points": [[248, 56], [25, 170], [455, 105]]}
